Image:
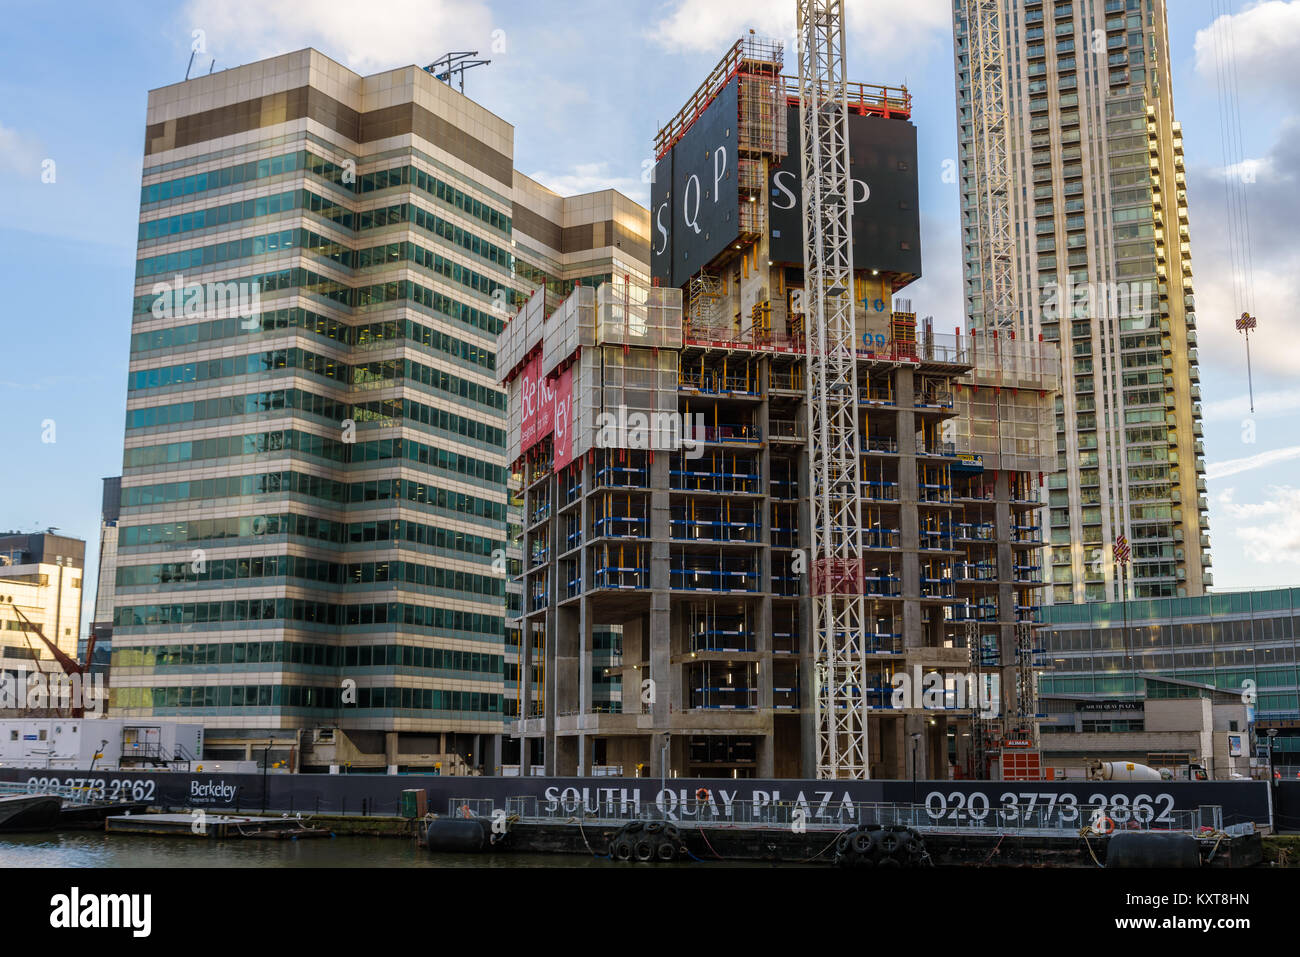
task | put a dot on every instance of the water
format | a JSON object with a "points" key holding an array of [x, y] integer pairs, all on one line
{"points": [[96, 849]]}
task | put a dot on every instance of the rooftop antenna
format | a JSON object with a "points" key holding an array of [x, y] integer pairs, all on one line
{"points": [[191, 66], [1244, 325], [453, 64]]}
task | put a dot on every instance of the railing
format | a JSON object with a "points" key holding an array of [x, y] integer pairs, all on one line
{"points": [[69, 793], [1054, 817]]}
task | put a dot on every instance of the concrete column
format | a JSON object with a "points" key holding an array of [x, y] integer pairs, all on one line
{"points": [[909, 521], [491, 754], [658, 634]]}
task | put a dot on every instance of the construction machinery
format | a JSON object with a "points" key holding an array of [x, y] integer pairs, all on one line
{"points": [[72, 668]]}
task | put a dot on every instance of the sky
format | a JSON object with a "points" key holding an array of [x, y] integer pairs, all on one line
{"points": [[586, 85]]}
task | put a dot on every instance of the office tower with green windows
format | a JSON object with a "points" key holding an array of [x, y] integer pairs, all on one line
{"points": [[1075, 228], [313, 546]]}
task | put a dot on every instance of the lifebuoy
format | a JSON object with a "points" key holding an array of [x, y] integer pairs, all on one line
{"points": [[1105, 826], [465, 811], [702, 795]]}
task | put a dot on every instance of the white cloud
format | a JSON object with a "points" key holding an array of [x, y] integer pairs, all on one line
{"points": [[1262, 42], [703, 26], [1267, 404], [1270, 530], [1217, 470], [590, 177], [359, 36]]}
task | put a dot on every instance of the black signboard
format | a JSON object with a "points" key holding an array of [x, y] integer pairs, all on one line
{"points": [[1158, 803], [695, 201], [886, 217]]}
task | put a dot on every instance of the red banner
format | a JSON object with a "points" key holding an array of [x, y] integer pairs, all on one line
{"points": [[563, 419], [538, 398]]}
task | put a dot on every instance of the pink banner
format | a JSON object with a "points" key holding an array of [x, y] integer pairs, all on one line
{"points": [[563, 419], [528, 397], [538, 397]]}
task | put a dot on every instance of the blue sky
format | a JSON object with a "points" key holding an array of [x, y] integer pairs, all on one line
{"points": [[586, 85]]}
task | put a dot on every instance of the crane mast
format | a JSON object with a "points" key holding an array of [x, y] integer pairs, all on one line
{"points": [[834, 488], [991, 166]]}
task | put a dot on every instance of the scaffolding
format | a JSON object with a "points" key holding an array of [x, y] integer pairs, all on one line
{"points": [[1006, 404]]}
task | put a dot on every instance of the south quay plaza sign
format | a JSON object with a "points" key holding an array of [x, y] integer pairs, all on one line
{"points": [[695, 199]]}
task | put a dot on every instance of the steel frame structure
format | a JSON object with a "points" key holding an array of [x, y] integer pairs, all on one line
{"points": [[986, 53], [839, 607]]}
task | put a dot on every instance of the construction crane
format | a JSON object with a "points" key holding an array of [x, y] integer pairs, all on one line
{"points": [[991, 168], [839, 606], [69, 664]]}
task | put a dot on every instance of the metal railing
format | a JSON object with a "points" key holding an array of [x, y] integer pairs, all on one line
{"points": [[69, 793], [1056, 818]]}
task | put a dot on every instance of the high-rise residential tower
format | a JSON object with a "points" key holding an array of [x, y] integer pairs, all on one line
{"points": [[313, 538], [1074, 227]]}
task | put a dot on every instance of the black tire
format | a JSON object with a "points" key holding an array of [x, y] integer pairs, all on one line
{"points": [[888, 842], [622, 850], [863, 860], [644, 851], [863, 844], [843, 843], [666, 851], [654, 827], [888, 862], [871, 827], [672, 832], [633, 827]]}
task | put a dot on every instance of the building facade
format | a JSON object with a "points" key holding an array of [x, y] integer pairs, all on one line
{"points": [[1075, 226], [312, 544], [1242, 643], [42, 574]]}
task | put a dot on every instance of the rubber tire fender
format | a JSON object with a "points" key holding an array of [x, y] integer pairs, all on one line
{"points": [[644, 851], [621, 850], [666, 851]]}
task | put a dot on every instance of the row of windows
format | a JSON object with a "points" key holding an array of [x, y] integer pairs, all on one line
{"points": [[231, 446], [412, 176], [355, 297], [309, 527], [330, 172], [200, 257], [328, 209], [295, 696], [298, 609], [386, 412], [370, 374], [312, 486], [307, 653], [395, 330], [310, 569]]}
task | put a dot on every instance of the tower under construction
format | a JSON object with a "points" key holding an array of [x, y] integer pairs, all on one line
{"points": [[671, 567]]}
